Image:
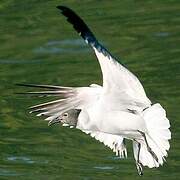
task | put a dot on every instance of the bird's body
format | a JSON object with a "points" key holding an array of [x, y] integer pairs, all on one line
{"points": [[113, 112], [112, 122]]}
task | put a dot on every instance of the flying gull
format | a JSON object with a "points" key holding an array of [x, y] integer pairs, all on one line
{"points": [[113, 112]]}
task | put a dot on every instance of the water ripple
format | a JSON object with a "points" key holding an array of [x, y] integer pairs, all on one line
{"points": [[23, 159], [104, 167], [5, 172], [5, 61], [20, 159], [162, 34], [63, 46]]}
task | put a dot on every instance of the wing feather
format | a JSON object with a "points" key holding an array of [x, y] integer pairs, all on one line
{"points": [[118, 81], [114, 142], [69, 98]]}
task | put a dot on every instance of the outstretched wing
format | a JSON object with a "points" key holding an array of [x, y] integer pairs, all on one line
{"points": [[74, 98], [121, 87], [68, 98]]}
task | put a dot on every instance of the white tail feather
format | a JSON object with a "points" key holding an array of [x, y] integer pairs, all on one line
{"points": [[157, 137]]}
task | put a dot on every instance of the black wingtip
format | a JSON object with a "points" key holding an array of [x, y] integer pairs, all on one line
{"points": [[19, 84], [22, 84], [83, 30], [62, 7], [65, 8], [59, 7], [66, 11], [42, 86], [78, 24]]}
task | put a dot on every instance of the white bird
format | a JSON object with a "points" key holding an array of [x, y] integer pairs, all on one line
{"points": [[110, 113]]}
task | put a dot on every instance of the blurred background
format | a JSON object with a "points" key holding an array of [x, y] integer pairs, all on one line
{"points": [[39, 46]]}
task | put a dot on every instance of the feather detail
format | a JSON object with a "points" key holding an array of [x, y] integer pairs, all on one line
{"points": [[114, 142]]}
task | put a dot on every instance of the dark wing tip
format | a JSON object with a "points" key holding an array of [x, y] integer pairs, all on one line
{"points": [[78, 24], [83, 30], [62, 8]]}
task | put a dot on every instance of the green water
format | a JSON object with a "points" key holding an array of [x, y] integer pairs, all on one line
{"points": [[39, 46]]}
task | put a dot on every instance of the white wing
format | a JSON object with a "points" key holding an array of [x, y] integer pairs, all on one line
{"points": [[121, 87], [69, 98], [75, 98]]}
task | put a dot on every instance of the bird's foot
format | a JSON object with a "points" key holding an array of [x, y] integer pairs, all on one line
{"points": [[139, 168]]}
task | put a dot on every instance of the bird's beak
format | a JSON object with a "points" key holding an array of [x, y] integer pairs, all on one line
{"points": [[54, 121]]}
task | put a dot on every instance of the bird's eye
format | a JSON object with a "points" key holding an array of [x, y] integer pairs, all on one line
{"points": [[65, 114]]}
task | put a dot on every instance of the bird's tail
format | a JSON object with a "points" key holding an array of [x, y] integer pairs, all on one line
{"points": [[157, 137]]}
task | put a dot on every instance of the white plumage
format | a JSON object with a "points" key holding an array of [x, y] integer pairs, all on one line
{"points": [[113, 112]]}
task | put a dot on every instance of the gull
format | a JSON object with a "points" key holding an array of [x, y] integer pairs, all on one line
{"points": [[111, 113]]}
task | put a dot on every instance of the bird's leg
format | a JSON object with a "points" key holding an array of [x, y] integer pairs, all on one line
{"points": [[138, 163], [124, 149], [148, 148]]}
